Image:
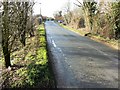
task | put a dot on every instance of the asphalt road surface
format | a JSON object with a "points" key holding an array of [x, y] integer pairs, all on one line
{"points": [[79, 62]]}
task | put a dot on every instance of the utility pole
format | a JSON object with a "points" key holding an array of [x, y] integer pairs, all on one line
{"points": [[40, 8], [41, 19]]}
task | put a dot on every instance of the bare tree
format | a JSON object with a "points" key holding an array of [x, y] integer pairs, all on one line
{"points": [[6, 34], [68, 13], [15, 18], [58, 15]]}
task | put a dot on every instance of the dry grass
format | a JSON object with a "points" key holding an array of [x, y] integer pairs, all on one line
{"points": [[112, 43]]}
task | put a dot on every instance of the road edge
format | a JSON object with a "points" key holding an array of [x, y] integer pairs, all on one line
{"points": [[49, 54], [116, 47]]}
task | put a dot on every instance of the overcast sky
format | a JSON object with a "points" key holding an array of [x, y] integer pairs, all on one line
{"points": [[48, 7]]}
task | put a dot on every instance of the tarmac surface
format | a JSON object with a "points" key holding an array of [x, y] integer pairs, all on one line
{"points": [[79, 62]]}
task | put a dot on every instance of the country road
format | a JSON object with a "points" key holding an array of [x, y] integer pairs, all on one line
{"points": [[79, 62]]}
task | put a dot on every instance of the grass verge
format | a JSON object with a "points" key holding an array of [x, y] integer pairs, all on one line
{"points": [[30, 67], [112, 43]]}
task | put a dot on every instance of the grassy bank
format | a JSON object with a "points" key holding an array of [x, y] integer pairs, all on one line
{"points": [[112, 43], [30, 67]]}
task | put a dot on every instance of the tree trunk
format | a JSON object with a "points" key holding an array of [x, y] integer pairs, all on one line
{"points": [[25, 12], [22, 39], [5, 35], [6, 53]]}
